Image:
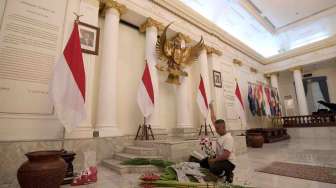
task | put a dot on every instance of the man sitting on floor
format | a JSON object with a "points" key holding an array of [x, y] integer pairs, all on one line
{"points": [[222, 164]]}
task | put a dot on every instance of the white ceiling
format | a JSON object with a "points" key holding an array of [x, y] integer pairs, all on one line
{"points": [[282, 13], [297, 23]]}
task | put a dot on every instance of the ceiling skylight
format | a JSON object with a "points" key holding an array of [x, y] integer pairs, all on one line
{"points": [[233, 18]]}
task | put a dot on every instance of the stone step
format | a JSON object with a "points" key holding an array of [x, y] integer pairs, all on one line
{"points": [[141, 151], [146, 143], [126, 156], [116, 166], [188, 136]]}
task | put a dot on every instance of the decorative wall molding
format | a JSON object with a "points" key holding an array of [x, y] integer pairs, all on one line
{"points": [[326, 43], [92, 2], [300, 68], [253, 70], [322, 56], [268, 75], [150, 22], [106, 4], [212, 50], [237, 62]]}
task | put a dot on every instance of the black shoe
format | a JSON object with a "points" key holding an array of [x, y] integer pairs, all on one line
{"points": [[229, 178]]}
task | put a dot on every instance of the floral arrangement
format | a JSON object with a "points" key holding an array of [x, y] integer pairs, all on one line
{"points": [[206, 146], [149, 176]]}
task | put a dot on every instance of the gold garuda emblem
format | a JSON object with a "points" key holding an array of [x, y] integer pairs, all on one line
{"points": [[175, 57]]}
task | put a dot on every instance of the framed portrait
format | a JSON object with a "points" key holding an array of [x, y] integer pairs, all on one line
{"points": [[217, 79], [89, 38]]}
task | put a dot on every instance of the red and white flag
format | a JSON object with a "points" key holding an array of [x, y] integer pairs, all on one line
{"points": [[266, 101], [202, 100], [239, 105], [146, 93], [67, 87]]}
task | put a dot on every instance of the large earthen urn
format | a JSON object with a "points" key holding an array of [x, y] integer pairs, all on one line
{"points": [[256, 140], [44, 169]]}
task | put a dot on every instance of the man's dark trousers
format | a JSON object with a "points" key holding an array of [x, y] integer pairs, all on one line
{"points": [[218, 167]]}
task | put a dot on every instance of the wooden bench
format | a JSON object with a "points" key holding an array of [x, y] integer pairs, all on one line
{"points": [[270, 134]]}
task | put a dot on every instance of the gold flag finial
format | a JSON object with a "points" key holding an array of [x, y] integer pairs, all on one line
{"points": [[77, 16]]}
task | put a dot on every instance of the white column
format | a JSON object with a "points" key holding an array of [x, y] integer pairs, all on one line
{"points": [[183, 100], [107, 99], [301, 96], [211, 62], [215, 93], [274, 81], [151, 28], [183, 96]]}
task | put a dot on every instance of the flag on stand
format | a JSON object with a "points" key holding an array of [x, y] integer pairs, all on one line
{"points": [[278, 106], [266, 102], [251, 100], [145, 96], [273, 105], [67, 87], [256, 100], [202, 100], [239, 105], [261, 103]]}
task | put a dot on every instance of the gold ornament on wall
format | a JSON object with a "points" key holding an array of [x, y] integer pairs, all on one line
{"points": [[175, 57]]}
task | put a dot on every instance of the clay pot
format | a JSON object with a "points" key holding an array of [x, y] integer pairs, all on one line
{"points": [[256, 140], [43, 169]]}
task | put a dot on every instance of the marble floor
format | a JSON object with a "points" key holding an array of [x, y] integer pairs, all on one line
{"points": [[320, 152]]}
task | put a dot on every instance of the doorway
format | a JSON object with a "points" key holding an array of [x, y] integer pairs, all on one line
{"points": [[316, 89]]}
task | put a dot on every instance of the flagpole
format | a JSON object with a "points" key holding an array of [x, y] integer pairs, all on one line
{"points": [[206, 129], [77, 16], [63, 140], [241, 123]]}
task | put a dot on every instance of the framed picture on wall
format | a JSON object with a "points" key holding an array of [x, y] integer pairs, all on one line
{"points": [[217, 79], [89, 38]]}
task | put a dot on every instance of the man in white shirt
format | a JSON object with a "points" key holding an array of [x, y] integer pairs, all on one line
{"points": [[222, 164]]}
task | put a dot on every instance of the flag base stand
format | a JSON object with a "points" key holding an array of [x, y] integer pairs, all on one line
{"points": [[205, 127], [144, 132], [68, 157]]}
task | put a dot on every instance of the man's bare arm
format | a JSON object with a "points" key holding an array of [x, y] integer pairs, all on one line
{"points": [[212, 113], [223, 157]]}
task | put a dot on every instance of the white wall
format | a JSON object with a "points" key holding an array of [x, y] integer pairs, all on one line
{"points": [[30, 126], [286, 88], [330, 73], [229, 73], [286, 81], [130, 68], [131, 61]]}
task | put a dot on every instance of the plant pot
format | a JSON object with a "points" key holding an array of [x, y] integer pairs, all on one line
{"points": [[256, 140], [43, 169]]}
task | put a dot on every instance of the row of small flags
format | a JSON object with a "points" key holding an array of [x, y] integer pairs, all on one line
{"points": [[67, 88], [263, 100]]}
